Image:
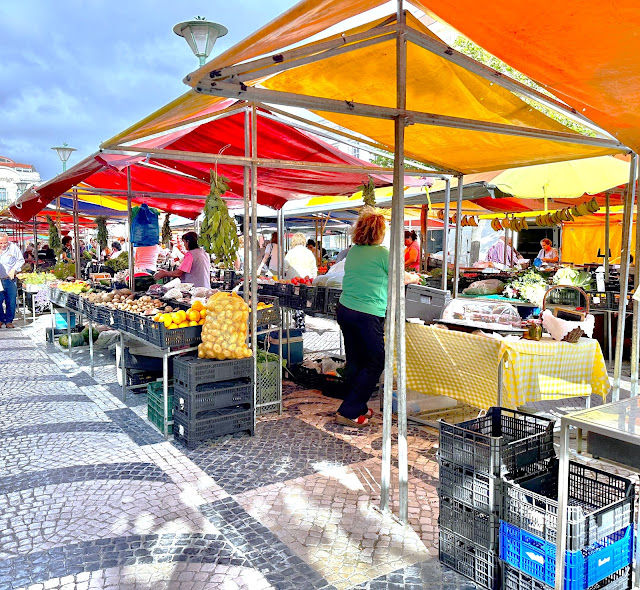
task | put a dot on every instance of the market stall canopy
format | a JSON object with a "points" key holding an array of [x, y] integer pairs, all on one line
{"points": [[179, 185], [449, 95], [582, 51], [524, 189]]}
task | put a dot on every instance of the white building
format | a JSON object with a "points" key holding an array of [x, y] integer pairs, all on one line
{"points": [[11, 173]]}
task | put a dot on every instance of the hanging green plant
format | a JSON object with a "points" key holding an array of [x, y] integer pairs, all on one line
{"points": [[219, 232], [369, 193], [166, 232], [54, 237], [103, 235]]}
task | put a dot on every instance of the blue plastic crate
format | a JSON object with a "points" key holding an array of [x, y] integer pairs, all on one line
{"points": [[537, 558]]}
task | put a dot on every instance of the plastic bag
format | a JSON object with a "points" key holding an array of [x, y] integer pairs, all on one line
{"points": [[485, 287], [224, 332], [145, 228]]}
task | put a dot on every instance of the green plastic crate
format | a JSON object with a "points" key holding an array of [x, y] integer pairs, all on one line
{"points": [[155, 410]]}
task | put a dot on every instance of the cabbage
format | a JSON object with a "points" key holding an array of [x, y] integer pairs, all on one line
{"points": [[570, 277]]}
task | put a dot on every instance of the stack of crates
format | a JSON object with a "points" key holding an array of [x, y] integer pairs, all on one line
{"points": [[599, 530], [211, 398], [475, 456]]}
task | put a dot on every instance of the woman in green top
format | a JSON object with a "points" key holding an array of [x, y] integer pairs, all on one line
{"points": [[361, 313]]}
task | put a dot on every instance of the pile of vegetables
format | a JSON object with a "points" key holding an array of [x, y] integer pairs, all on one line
{"points": [[118, 263], [62, 270], [36, 278], [531, 286], [224, 331], [76, 287], [219, 234], [194, 316], [571, 277]]}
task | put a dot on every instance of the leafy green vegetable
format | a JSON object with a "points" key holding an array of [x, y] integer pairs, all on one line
{"points": [[572, 277], [62, 270], [118, 263], [531, 286], [103, 236], [54, 237], [36, 278]]}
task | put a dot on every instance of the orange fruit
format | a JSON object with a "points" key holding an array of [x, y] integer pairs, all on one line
{"points": [[197, 306], [183, 325], [193, 323], [203, 314], [201, 322], [193, 315]]}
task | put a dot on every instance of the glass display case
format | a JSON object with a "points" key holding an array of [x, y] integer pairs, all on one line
{"points": [[489, 315]]}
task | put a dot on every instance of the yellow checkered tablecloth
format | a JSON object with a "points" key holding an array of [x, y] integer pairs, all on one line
{"points": [[465, 366]]}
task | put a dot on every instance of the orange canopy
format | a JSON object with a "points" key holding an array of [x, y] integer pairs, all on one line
{"points": [[585, 52]]}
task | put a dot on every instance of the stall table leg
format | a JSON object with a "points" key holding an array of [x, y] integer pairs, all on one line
{"points": [[165, 393], [91, 346], [563, 494], [123, 369]]}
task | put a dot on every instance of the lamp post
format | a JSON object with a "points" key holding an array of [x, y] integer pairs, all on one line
{"points": [[201, 35], [64, 153]]}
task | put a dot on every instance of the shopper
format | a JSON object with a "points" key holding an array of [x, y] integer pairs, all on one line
{"points": [[116, 249], [11, 261], [411, 252], [67, 250], [270, 258], [195, 267], [299, 263], [361, 312]]}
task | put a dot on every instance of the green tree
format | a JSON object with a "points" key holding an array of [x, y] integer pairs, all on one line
{"points": [[468, 47]]}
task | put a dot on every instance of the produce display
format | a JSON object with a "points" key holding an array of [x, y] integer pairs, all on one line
{"points": [[62, 270], [119, 263], [531, 286], [224, 331], [573, 277], [218, 233], [35, 278], [194, 316], [76, 287]]}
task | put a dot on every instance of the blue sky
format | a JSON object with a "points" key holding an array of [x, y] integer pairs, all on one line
{"points": [[80, 71]]}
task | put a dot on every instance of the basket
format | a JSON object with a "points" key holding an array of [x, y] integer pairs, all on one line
{"points": [[573, 335], [224, 394], [502, 441], [332, 298], [211, 425], [473, 489], [155, 405], [267, 394]]}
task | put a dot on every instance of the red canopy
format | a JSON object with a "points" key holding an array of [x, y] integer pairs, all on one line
{"points": [[276, 140]]}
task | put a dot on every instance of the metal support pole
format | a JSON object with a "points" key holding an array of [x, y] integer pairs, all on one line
{"points": [[254, 253], [506, 243], [635, 332], [456, 261], [397, 221], [165, 394], [90, 345], [445, 233], [123, 369], [248, 263], [563, 495], [76, 233], [624, 274], [281, 242], [607, 237], [35, 243], [128, 226]]}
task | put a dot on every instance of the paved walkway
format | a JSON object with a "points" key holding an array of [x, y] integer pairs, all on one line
{"points": [[91, 496]]}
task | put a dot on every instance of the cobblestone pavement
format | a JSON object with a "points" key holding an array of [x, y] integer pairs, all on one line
{"points": [[92, 496]]}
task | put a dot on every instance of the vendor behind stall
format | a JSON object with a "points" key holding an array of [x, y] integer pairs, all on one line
{"points": [[548, 254], [496, 253], [361, 312], [411, 252], [195, 267]]}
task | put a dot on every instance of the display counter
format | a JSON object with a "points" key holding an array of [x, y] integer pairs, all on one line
{"points": [[467, 367]]}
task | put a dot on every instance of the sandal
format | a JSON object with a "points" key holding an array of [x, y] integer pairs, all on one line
{"points": [[359, 422], [369, 414]]}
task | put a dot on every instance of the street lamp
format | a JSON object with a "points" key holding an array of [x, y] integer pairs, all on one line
{"points": [[201, 35], [21, 186], [64, 152]]}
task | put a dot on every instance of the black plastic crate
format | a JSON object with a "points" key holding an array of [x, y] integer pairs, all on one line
{"points": [[476, 490], [157, 334], [514, 579], [224, 394], [304, 297], [600, 504], [471, 560], [332, 298], [271, 315], [478, 527], [267, 289], [107, 316], [500, 442], [213, 424], [73, 301], [600, 300], [191, 372]]}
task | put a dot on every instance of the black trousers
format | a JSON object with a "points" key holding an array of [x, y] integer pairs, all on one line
{"points": [[363, 335]]}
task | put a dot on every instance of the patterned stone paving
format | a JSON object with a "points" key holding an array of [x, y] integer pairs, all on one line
{"points": [[92, 496]]}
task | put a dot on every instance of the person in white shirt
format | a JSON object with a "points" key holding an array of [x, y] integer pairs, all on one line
{"points": [[548, 253], [11, 261], [271, 254], [299, 261]]}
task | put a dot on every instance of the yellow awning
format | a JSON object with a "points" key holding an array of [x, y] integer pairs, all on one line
{"points": [[434, 85]]}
